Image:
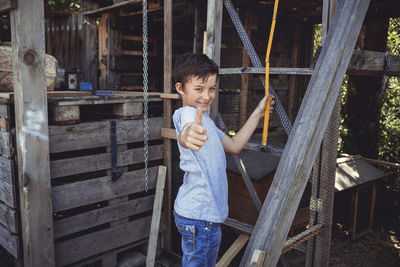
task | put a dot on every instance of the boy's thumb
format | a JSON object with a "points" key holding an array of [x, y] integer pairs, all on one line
{"points": [[199, 115]]}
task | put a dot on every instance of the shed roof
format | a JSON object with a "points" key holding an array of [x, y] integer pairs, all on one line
{"points": [[352, 171]]}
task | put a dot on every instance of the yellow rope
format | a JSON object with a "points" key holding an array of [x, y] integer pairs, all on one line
{"points": [[271, 35]]}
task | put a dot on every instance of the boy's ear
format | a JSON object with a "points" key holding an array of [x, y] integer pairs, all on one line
{"points": [[179, 88]]}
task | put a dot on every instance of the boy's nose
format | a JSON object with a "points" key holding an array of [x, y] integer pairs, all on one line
{"points": [[206, 94]]}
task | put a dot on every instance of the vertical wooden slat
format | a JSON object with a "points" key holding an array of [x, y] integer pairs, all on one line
{"points": [[28, 45], [244, 89], [293, 87], [213, 49], [167, 118], [155, 219]]}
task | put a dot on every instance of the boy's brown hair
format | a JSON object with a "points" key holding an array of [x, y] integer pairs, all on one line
{"points": [[191, 64]]}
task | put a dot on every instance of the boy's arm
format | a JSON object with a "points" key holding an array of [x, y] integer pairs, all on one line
{"points": [[235, 144]]}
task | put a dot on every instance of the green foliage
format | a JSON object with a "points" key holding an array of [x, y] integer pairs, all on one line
{"points": [[62, 5], [389, 139]]}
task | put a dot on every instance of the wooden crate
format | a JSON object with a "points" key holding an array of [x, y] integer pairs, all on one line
{"points": [[9, 219], [94, 217]]}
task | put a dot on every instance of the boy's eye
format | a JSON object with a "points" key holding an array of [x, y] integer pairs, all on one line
{"points": [[212, 89], [197, 89]]}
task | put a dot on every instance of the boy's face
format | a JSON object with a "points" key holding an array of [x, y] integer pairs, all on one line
{"points": [[198, 93]]}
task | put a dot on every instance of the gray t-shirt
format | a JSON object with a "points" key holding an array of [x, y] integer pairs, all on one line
{"points": [[204, 192]]}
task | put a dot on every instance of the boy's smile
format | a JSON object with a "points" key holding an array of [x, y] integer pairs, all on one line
{"points": [[198, 93]]}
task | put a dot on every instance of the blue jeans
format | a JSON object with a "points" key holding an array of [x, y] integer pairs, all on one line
{"points": [[200, 241]]}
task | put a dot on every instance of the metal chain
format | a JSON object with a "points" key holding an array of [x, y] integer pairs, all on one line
{"points": [[287, 126], [145, 98]]}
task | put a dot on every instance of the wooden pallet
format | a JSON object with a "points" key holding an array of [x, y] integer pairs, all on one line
{"points": [[94, 217]]}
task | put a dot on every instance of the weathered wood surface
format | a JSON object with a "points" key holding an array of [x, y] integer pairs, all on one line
{"points": [[97, 134], [6, 145], [81, 193], [96, 162], [28, 45], [156, 217], [101, 216], [7, 170], [233, 250], [91, 244], [305, 138], [213, 45], [363, 62], [8, 194], [110, 7], [6, 5], [167, 109], [5, 111], [8, 218], [9, 241]]}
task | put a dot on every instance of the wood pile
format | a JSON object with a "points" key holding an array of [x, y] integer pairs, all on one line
{"points": [[6, 74]]}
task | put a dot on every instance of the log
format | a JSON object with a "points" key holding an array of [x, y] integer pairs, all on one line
{"points": [[6, 74]]}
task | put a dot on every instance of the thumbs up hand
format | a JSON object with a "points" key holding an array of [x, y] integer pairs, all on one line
{"points": [[193, 136]]}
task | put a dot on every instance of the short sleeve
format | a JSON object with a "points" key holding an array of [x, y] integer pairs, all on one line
{"points": [[220, 133], [183, 116]]}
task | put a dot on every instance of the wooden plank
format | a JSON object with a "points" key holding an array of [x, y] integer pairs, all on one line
{"points": [[50, 94], [9, 241], [213, 49], [85, 246], [92, 163], [305, 138], [6, 5], [233, 250], [4, 124], [168, 133], [81, 193], [9, 218], [110, 7], [383, 163], [8, 194], [97, 134], [101, 216], [6, 145], [273, 71], [5, 111], [167, 122], [244, 81], [364, 62], [257, 258], [7, 170], [169, 96], [156, 217]]}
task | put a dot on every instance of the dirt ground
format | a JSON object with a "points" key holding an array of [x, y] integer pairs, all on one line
{"points": [[376, 249]]}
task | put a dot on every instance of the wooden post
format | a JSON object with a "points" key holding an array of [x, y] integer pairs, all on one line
{"points": [[280, 206], [28, 41], [155, 219], [213, 49], [167, 118], [293, 87], [244, 89]]}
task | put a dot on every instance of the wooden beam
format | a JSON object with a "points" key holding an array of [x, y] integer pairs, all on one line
{"points": [[168, 133], [213, 48], [273, 71], [363, 62], [233, 250], [111, 7], [155, 219], [6, 5], [293, 171], [28, 46], [167, 53]]}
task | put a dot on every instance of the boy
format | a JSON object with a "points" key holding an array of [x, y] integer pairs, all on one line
{"points": [[202, 201]]}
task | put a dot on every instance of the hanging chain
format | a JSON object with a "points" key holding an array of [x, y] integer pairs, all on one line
{"points": [[145, 98]]}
